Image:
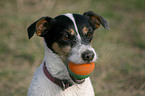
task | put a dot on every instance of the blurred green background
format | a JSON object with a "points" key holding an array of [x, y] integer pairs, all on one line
{"points": [[120, 69]]}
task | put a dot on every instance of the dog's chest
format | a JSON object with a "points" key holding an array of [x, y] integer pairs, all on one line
{"points": [[42, 86]]}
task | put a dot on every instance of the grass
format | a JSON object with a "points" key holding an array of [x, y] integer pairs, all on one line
{"points": [[120, 69]]}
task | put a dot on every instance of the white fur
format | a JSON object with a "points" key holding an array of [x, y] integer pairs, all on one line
{"points": [[42, 86], [55, 65]]}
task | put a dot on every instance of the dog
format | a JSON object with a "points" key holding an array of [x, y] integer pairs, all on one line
{"points": [[67, 38]]}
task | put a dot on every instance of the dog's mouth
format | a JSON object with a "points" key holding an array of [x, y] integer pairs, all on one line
{"points": [[78, 81]]}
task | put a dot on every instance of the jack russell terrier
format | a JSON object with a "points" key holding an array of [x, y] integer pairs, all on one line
{"points": [[67, 38]]}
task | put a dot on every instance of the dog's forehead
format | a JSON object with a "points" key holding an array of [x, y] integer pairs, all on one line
{"points": [[77, 23], [71, 18], [74, 21], [64, 20]]}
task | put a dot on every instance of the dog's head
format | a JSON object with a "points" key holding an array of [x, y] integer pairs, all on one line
{"points": [[69, 35]]}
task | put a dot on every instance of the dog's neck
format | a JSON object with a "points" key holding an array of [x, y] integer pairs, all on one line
{"points": [[55, 65]]}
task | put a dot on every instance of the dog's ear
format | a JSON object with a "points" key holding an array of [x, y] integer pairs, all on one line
{"points": [[41, 27], [96, 20]]}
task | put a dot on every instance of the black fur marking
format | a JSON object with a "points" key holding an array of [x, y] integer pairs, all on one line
{"points": [[31, 30], [81, 22], [59, 28]]}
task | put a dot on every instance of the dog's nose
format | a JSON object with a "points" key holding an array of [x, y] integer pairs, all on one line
{"points": [[88, 55]]}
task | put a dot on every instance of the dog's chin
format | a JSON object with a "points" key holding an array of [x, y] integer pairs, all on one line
{"points": [[78, 81]]}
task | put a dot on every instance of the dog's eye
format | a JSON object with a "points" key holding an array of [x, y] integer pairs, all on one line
{"points": [[89, 34], [65, 37]]}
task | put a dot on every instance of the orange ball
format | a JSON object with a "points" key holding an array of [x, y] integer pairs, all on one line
{"points": [[81, 71]]}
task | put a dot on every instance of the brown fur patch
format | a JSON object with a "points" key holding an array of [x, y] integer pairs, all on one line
{"points": [[85, 30], [91, 42], [71, 31], [95, 20], [41, 26], [62, 51]]}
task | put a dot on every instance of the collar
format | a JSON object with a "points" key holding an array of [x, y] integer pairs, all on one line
{"points": [[64, 84]]}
